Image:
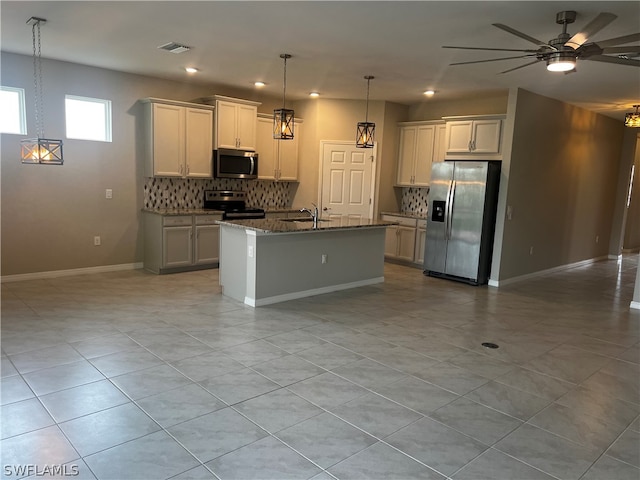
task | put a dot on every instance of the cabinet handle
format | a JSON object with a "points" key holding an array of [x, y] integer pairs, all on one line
{"points": [[187, 169]]}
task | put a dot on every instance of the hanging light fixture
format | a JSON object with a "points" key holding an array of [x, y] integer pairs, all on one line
{"points": [[283, 117], [632, 119], [366, 129], [39, 150]]}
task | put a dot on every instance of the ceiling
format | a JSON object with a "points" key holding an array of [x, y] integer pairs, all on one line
{"points": [[334, 44]]}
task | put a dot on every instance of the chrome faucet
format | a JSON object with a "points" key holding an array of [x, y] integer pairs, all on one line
{"points": [[313, 213]]}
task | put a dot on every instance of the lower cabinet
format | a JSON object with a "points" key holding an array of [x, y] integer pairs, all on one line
{"points": [[405, 241], [174, 243]]}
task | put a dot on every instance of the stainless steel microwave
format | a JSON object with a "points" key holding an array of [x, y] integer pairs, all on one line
{"points": [[229, 163]]}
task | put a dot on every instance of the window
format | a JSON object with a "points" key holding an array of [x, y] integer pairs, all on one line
{"points": [[88, 118], [12, 119]]}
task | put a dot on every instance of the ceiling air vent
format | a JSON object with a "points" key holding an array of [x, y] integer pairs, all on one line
{"points": [[174, 47]]}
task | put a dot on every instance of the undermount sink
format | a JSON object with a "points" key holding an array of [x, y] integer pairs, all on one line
{"points": [[301, 220]]}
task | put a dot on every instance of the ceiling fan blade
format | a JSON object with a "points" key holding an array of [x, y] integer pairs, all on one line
{"points": [[490, 60], [589, 30], [517, 68], [633, 49], [493, 49], [616, 60], [515, 32], [634, 37]]}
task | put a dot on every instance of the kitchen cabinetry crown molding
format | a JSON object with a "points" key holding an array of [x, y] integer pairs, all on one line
{"points": [[177, 103], [211, 100], [491, 116], [270, 116]]}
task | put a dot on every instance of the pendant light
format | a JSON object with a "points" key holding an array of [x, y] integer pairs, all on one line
{"points": [[366, 129], [283, 117], [632, 119], [39, 150]]}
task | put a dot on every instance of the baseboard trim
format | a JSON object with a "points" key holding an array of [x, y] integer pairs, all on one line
{"points": [[309, 293], [541, 273], [635, 305], [69, 273]]}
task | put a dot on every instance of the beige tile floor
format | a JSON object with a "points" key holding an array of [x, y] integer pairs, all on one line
{"points": [[128, 375]]}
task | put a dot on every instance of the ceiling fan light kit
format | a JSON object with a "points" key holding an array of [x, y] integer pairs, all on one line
{"points": [[562, 53]]}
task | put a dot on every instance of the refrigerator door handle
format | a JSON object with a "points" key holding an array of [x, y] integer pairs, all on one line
{"points": [[452, 194]]}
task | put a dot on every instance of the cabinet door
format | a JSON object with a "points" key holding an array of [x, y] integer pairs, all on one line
{"points": [[424, 154], [266, 148], [226, 125], [486, 136], [168, 140], [406, 156], [207, 244], [288, 158], [246, 126], [421, 235], [177, 246], [391, 242], [199, 142], [440, 143], [458, 136], [406, 243]]}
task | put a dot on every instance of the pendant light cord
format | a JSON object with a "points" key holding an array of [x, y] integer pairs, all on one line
{"points": [[284, 89], [366, 115], [37, 79]]}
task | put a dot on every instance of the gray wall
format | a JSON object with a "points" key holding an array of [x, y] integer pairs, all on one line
{"points": [[50, 214], [561, 185]]}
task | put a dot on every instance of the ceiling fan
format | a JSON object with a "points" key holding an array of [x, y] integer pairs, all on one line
{"points": [[562, 52]]}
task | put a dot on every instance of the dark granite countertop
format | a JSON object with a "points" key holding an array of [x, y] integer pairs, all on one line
{"points": [[181, 211], [406, 215], [274, 225]]}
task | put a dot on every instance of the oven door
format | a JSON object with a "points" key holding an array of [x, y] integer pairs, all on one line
{"points": [[235, 164]]}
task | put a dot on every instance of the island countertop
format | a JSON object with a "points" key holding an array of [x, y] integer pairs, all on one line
{"points": [[290, 225]]}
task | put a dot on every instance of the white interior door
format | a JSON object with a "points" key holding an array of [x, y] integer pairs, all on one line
{"points": [[347, 180]]}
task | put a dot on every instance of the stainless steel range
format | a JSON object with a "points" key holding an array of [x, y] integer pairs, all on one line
{"points": [[232, 203]]}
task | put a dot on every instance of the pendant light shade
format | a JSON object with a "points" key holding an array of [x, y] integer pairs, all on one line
{"points": [[632, 119], [366, 130], [39, 150], [283, 117]]}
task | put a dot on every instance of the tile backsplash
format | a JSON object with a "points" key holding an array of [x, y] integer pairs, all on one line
{"points": [[189, 192], [414, 201]]}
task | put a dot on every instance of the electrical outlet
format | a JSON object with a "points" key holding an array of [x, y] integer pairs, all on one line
{"points": [[325, 258], [597, 238], [250, 251], [97, 241], [509, 212], [530, 250], [108, 193]]}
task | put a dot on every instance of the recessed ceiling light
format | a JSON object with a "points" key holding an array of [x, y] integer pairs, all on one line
{"points": [[314, 94], [259, 84], [191, 69], [430, 93]]}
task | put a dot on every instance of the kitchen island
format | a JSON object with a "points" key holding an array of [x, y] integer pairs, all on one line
{"points": [[274, 260]]}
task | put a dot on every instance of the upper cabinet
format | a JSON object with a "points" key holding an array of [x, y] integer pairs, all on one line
{"points": [[178, 139], [236, 123], [421, 143], [277, 159], [478, 137]]}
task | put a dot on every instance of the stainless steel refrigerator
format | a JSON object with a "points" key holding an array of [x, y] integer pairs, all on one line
{"points": [[461, 217]]}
